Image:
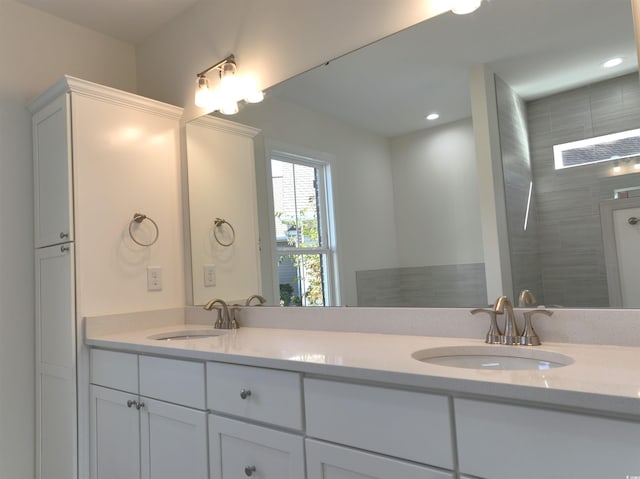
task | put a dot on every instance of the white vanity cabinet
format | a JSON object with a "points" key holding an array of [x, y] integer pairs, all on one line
{"points": [[53, 174], [329, 461], [56, 450], [115, 434], [55, 362], [408, 425], [258, 394], [501, 441], [93, 147], [240, 448], [144, 417]]}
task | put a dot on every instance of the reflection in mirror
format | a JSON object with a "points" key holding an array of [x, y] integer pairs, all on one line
{"points": [[405, 190], [222, 211]]}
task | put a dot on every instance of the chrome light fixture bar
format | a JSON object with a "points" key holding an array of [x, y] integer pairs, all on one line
{"points": [[231, 88]]}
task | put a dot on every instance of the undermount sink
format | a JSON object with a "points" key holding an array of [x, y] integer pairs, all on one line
{"points": [[506, 358], [182, 334]]}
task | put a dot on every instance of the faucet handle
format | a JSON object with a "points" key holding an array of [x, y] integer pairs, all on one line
{"points": [[218, 323], [493, 335], [233, 321], [529, 336]]}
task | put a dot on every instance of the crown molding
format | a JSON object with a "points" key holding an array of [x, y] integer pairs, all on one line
{"points": [[69, 84]]}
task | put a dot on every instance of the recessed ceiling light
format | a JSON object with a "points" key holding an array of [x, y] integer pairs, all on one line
{"points": [[432, 116], [614, 62]]}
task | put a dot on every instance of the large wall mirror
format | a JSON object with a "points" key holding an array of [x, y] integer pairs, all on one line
{"points": [[387, 203]]}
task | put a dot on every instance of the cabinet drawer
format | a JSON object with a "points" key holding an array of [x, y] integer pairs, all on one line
{"points": [[173, 380], [406, 424], [329, 461], [494, 440], [238, 449], [114, 370], [269, 396]]}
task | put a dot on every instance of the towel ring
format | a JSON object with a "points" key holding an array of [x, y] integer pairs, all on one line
{"points": [[137, 219], [218, 222]]}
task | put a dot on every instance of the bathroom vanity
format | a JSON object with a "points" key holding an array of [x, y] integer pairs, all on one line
{"points": [[275, 403]]}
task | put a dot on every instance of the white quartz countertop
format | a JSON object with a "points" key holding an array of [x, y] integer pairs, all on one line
{"points": [[601, 378]]}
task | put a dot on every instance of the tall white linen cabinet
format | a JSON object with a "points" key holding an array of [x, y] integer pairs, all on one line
{"points": [[100, 156]]}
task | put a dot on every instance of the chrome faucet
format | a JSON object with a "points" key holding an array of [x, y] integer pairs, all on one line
{"points": [[526, 298], [261, 300], [224, 321], [494, 334], [529, 336], [510, 335]]}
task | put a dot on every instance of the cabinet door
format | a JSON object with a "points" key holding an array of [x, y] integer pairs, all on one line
{"points": [[56, 433], [239, 450], [329, 461], [173, 442], [52, 173], [115, 435]]}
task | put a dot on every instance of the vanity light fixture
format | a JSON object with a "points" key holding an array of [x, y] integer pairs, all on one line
{"points": [[432, 116], [616, 167], [231, 88], [613, 62], [463, 7]]}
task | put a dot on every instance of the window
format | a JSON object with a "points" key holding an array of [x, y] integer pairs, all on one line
{"points": [[615, 146], [303, 243]]}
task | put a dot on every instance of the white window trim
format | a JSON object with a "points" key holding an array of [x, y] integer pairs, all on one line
{"points": [[294, 154]]}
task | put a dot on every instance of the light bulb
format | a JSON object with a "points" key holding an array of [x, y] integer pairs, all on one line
{"points": [[255, 96], [617, 169], [228, 107], [203, 93], [462, 7], [230, 83], [251, 92], [432, 116]]}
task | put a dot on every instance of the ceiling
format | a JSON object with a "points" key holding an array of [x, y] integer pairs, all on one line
{"points": [[128, 20], [538, 47]]}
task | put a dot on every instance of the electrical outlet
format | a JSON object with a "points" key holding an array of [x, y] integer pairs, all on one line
{"points": [[209, 274], [154, 278]]}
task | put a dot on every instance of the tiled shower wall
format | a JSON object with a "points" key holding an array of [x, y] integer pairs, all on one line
{"points": [[448, 286], [522, 219], [568, 201], [560, 256]]}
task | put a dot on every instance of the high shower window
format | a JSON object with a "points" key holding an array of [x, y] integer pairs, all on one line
{"points": [[612, 147]]}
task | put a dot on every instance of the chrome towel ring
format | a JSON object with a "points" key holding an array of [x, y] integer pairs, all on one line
{"points": [[137, 219], [219, 223]]}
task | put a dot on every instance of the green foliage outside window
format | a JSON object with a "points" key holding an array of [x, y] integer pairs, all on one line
{"points": [[305, 235]]}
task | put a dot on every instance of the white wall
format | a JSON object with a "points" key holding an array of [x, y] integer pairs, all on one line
{"points": [[126, 161], [361, 181], [222, 185], [35, 50], [272, 40], [436, 196]]}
